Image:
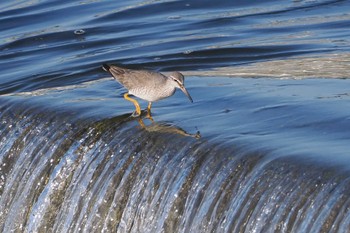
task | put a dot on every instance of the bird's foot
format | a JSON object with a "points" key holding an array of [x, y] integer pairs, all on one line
{"points": [[136, 114]]}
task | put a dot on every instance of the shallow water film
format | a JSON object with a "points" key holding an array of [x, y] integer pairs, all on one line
{"points": [[264, 147]]}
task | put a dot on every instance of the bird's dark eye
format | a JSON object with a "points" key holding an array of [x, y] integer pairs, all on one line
{"points": [[176, 80]]}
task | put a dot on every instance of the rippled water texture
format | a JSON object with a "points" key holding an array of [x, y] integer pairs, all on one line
{"points": [[263, 148]]}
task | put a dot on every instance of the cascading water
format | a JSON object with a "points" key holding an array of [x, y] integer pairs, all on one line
{"points": [[63, 175]]}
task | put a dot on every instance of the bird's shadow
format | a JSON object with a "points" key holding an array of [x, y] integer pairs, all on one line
{"points": [[145, 122]]}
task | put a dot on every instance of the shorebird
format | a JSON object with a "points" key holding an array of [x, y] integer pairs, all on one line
{"points": [[147, 85]]}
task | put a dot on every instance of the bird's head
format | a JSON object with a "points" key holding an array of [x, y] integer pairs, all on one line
{"points": [[178, 80]]}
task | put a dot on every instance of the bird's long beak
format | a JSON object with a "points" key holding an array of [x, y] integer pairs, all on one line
{"points": [[183, 89]]}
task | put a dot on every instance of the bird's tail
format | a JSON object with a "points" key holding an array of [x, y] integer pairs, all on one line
{"points": [[106, 67], [114, 70]]}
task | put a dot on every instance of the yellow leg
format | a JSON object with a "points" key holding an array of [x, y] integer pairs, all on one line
{"points": [[137, 106], [149, 108], [149, 111]]}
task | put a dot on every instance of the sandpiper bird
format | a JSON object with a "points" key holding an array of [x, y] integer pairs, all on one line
{"points": [[147, 85]]}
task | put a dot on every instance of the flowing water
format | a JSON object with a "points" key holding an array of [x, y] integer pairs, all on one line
{"points": [[264, 147]]}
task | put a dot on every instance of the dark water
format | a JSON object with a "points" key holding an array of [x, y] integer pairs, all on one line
{"points": [[263, 148]]}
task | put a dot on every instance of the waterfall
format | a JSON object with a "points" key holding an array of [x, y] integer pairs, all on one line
{"points": [[59, 174]]}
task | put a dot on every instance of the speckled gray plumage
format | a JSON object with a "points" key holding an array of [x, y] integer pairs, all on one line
{"points": [[145, 84]]}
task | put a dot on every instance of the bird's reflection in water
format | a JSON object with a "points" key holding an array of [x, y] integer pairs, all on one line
{"points": [[146, 123], [165, 127], [162, 127]]}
